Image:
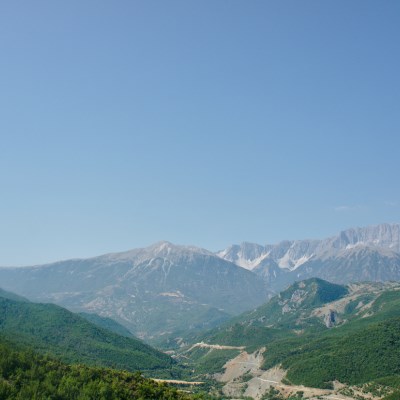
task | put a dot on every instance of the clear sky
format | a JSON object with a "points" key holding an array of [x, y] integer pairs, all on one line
{"points": [[123, 123]]}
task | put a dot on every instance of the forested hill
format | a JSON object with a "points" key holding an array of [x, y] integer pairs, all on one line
{"points": [[52, 329], [25, 375], [315, 334], [107, 323], [354, 357]]}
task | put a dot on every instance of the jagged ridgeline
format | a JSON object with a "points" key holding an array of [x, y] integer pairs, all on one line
{"points": [[54, 330], [354, 255]]}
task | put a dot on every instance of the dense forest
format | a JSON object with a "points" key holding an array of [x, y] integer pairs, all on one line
{"points": [[354, 358], [51, 329], [27, 375]]}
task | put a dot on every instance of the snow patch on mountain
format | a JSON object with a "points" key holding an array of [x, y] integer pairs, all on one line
{"points": [[290, 255], [249, 264]]}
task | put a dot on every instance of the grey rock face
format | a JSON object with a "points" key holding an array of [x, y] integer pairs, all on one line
{"points": [[330, 319], [246, 255], [371, 254], [155, 291]]}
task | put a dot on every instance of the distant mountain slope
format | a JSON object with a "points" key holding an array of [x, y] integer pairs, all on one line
{"points": [[161, 292], [155, 292], [52, 329], [290, 254], [355, 264], [354, 255]]}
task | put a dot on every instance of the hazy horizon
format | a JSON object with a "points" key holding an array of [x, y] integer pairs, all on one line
{"points": [[88, 256], [203, 123]]}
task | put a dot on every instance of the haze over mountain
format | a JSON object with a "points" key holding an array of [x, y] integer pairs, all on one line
{"points": [[154, 291], [162, 291], [358, 254]]}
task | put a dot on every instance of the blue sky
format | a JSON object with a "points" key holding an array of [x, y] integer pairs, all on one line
{"points": [[198, 122]]}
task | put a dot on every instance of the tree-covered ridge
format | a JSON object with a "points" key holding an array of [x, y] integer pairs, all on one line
{"points": [[315, 292], [307, 307], [26, 375], [360, 347], [52, 329], [356, 357], [285, 309], [107, 323], [283, 316], [12, 296]]}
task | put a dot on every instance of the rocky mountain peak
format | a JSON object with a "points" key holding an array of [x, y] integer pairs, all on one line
{"points": [[162, 249], [382, 235], [290, 255]]}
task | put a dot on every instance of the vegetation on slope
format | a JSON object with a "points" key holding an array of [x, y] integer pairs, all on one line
{"points": [[364, 349], [210, 361], [11, 296], [361, 346], [354, 358], [25, 375], [107, 323], [52, 329], [277, 318]]}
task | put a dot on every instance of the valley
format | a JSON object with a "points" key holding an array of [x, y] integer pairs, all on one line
{"points": [[203, 323], [199, 200]]}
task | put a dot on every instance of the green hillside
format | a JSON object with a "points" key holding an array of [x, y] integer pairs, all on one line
{"points": [[284, 310], [364, 349], [295, 312], [54, 330], [319, 333], [107, 323], [11, 296], [283, 316], [354, 358], [25, 375]]}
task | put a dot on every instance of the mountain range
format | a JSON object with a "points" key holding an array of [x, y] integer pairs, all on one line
{"points": [[163, 291], [155, 292], [291, 254], [358, 254]]}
